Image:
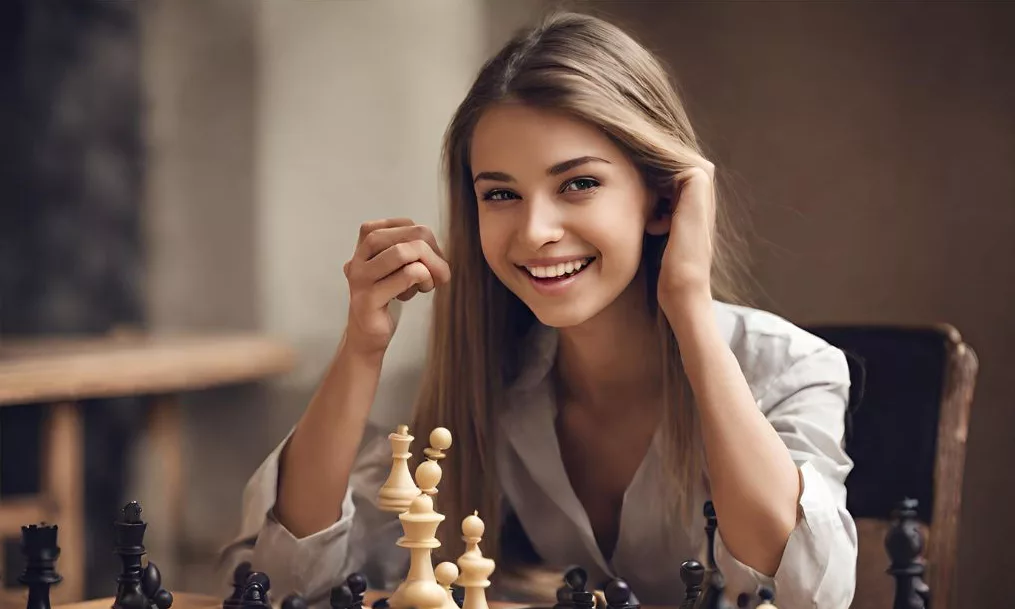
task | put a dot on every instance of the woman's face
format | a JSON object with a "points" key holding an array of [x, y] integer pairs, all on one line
{"points": [[562, 211]]}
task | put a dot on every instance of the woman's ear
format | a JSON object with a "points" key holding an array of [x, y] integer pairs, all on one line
{"points": [[659, 221]]}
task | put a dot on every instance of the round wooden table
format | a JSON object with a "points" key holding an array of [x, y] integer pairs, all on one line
{"points": [[59, 373]]}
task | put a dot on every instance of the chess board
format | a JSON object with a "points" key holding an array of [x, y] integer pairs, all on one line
{"points": [[461, 584]]}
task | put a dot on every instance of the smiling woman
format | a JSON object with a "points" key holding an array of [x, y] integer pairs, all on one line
{"points": [[586, 353]]}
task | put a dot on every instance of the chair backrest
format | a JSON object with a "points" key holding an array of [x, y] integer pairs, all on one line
{"points": [[906, 433]]}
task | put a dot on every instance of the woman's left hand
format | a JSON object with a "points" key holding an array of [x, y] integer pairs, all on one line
{"points": [[685, 276]]}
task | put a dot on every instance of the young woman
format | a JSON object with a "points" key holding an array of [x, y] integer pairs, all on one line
{"points": [[585, 353]]}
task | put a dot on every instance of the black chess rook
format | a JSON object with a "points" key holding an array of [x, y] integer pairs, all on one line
{"points": [[40, 549]]}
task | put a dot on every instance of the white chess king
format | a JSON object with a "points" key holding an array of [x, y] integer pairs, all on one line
{"points": [[399, 490]]}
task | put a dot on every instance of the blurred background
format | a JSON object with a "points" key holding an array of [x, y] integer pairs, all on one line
{"points": [[202, 167]]}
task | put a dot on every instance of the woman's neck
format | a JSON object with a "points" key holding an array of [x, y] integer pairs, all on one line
{"points": [[613, 357]]}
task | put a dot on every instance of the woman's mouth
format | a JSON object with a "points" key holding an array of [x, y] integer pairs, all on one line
{"points": [[556, 276]]}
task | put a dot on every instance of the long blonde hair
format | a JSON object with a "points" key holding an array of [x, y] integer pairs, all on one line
{"points": [[591, 69]]}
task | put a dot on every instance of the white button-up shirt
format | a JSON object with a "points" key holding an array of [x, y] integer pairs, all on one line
{"points": [[799, 382]]}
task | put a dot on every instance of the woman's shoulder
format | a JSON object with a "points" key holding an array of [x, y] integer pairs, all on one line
{"points": [[770, 347]]}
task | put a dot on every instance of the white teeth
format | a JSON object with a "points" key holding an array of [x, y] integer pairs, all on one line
{"points": [[559, 269]]}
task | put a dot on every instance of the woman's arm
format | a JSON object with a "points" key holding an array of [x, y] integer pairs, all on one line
{"points": [[754, 482]]}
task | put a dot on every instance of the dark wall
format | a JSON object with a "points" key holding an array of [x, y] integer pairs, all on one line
{"points": [[872, 145], [71, 258]]}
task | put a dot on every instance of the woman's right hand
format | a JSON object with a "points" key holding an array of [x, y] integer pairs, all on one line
{"points": [[394, 258]]}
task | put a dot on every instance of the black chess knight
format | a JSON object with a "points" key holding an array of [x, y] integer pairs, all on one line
{"points": [[137, 587], [39, 547]]}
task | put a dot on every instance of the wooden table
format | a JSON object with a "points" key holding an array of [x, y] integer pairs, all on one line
{"points": [[183, 600], [60, 372]]}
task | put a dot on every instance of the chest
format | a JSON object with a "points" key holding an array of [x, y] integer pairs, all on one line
{"points": [[601, 459]]}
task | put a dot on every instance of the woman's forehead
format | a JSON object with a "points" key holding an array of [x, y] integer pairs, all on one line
{"points": [[517, 138]]}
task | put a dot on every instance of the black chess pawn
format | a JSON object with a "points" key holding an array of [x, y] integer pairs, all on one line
{"points": [[40, 549], [240, 575], [576, 579], [563, 597], [904, 544], [618, 595], [151, 586], [341, 597], [255, 595], [357, 586], [692, 573], [294, 601]]}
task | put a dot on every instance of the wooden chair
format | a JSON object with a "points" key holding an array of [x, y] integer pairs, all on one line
{"points": [[906, 432]]}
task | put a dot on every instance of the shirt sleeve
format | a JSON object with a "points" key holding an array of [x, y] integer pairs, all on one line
{"points": [[806, 405], [361, 540]]}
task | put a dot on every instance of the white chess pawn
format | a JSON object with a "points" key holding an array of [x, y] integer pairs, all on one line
{"points": [[474, 568], [420, 589], [398, 490], [447, 573], [440, 441]]}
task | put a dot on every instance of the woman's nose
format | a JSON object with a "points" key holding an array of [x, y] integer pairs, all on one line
{"points": [[541, 224]]}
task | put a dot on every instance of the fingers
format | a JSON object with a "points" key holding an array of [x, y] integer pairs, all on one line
{"points": [[368, 227], [400, 283], [382, 238], [395, 258], [401, 254]]}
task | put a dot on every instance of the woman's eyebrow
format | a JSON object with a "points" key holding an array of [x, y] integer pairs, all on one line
{"points": [[559, 168]]}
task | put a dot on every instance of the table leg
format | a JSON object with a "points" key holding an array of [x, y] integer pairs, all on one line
{"points": [[165, 428], [63, 488]]}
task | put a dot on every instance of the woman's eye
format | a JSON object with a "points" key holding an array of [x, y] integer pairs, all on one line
{"points": [[579, 184], [498, 195]]}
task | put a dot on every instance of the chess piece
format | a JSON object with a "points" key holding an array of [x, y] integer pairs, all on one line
{"points": [[904, 544], [398, 490], [341, 597], [129, 534], [420, 589], [151, 586], [357, 584], [767, 596], [240, 574], [447, 573], [563, 598], [39, 547], [440, 441], [711, 524], [618, 595], [294, 601], [474, 568], [692, 573], [255, 593], [714, 586], [458, 593], [714, 594], [575, 581]]}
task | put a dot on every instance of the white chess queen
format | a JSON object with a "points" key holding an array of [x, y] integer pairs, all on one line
{"points": [[590, 352]]}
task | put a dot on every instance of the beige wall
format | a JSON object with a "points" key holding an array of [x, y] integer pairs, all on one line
{"points": [[276, 128]]}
